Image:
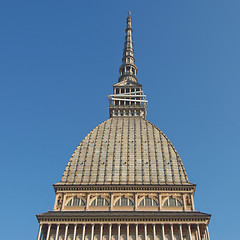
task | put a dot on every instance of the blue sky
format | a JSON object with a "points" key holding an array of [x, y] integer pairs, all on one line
{"points": [[58, 62]]}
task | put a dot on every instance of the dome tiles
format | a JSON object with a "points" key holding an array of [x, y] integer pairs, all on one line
{"points": [[125, 151]]}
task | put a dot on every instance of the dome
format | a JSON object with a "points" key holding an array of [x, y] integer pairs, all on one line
{"points": [[125, 151]]}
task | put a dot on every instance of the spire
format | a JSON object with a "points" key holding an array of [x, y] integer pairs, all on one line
{"points": [[128, 99], [128, 69]]}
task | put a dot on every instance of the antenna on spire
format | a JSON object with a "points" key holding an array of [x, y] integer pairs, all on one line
{"points": [[129, 13]]}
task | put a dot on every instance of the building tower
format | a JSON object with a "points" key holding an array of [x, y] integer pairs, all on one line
{"points": [[125, 180]]}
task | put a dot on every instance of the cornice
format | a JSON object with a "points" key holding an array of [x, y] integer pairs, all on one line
{"points": [[123, 217], [124, 188]]}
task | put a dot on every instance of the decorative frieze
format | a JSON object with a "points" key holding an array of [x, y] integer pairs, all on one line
{"points": [[163, 201]]}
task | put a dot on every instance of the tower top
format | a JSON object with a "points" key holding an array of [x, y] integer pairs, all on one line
{"points": [[128, 98]]}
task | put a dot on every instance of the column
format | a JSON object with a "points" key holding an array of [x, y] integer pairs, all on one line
{"points": [[83, 231], [189, 232], [64, 201], [183, 200], [145, 231], [57, 232], [208, 237], [160, 202], [127, 231], [193, 207], [172, 236], [39, 232], [136, 231], [92, 232], [111, 202], [198, 232], [136, 196], [205, 234], [180, 230], [163, 232], [119, 231], [110, 232], [88, 200], [75, 232], [101, 231], [66, 232], [154, 232], [48, 231]]}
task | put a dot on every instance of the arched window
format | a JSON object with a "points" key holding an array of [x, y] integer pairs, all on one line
{"points": [[123, 201], [172, 202], [75, 201], [148, 202], [99, 201]]}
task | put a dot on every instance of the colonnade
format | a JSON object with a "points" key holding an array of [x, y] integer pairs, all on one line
{"points": [[127, 112], [139, 231]]}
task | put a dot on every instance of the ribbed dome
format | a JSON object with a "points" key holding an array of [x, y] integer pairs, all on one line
{"points": [[125, 150]]}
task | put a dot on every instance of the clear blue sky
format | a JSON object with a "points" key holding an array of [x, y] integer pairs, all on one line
{"points": [[58, 62]]}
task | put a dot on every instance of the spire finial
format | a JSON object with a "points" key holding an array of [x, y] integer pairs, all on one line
{"points": [[129, 13]]}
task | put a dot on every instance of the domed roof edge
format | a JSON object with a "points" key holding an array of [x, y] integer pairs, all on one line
{"points": [[172, 147], [89, 153]]}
